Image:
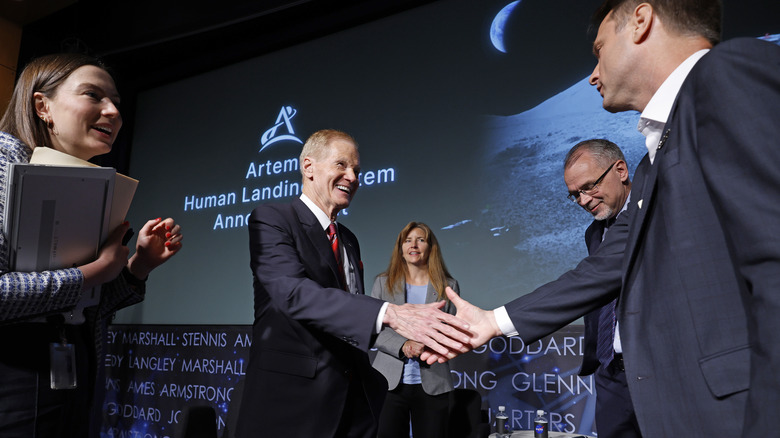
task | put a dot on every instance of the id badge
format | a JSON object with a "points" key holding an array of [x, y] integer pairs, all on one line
{"points": [[63, 366]]}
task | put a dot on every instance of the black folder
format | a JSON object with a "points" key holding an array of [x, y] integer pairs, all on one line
{"points": [[57, 217]]}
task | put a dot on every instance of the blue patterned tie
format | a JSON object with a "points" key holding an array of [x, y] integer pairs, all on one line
{"points": [[605, 350]]}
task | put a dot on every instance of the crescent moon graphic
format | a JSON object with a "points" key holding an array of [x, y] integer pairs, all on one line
{"points": [[497, 28]]}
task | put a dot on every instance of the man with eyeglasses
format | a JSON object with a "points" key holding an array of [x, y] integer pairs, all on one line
{"points": [[605, 195]]}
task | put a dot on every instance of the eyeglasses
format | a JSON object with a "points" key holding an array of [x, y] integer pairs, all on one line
{"points": [[590, 189]]}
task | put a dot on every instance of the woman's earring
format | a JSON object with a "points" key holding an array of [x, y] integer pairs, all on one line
{"points": [[49, 123]]}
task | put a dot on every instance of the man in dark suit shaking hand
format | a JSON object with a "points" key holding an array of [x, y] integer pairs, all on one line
{"points": [[698, 269], [309, 373]]}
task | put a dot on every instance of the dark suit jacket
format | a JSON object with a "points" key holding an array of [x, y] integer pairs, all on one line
{"points": [[698, 258], [310, 338]]}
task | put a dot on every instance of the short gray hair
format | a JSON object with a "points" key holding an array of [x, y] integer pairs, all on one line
{"points": [[603, 151], [318, 143]]}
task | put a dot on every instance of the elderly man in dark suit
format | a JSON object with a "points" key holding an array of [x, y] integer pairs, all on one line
{"points": [[596, 175], [696, 258], [309, 373]]}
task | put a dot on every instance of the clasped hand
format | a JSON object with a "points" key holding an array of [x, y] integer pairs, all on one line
{"points": [[412, 349], [158, 240], [481, 327], [444, 336], [426, 323]]}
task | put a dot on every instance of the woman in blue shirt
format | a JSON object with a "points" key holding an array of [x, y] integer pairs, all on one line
{"points": [[417, 392]]}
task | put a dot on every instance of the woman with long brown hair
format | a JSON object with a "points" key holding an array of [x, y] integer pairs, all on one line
{"points": [[417, 392], [51, 353]]}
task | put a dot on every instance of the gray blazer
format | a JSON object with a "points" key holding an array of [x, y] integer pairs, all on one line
{"points": [[389, 359]]}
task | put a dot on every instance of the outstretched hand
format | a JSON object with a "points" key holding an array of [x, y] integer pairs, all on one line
{"points": [[158, 241], [482, 327], [427, 324]]}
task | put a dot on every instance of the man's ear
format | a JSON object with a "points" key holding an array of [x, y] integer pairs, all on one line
{"points": [[641, 22], [307, 167], [622, 170]]}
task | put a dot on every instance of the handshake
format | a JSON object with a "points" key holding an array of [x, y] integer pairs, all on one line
{"points": [[443, 335]]}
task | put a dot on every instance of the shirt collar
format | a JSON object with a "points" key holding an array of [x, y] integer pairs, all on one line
{"points": [[656, 113], [625, 204], [322, 218], [609, 222]]}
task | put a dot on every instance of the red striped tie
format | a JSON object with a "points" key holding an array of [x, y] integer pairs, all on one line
{"points": [[333, 236]]}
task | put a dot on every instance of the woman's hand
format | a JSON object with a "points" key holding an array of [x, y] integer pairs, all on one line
{"points": [[158, 241], [111, 259], [412, 349]]}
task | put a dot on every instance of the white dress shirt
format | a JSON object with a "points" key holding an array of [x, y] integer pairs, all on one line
{"points": [[656, 113], [349, 270]]}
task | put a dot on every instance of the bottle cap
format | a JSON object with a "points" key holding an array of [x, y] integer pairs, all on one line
{"points": [[540, 412]]}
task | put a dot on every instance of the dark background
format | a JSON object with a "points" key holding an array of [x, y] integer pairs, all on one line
{"points": [[150, 43]]}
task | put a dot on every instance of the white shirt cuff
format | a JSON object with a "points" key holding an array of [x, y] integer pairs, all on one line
{"points": [[380, 317], [504, 322]]}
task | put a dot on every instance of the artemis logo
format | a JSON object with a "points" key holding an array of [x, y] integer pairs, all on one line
{"points": [[283, 123]]}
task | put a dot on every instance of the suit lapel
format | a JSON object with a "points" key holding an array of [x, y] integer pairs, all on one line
{"points": [[316, 235], [395, 298], [648, 174], [352, 255], [430, 296], [645, 181], [594, 235]]}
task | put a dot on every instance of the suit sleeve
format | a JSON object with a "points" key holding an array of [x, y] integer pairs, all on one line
{"points": [[737, 105], [593, 283], [284, 268]]}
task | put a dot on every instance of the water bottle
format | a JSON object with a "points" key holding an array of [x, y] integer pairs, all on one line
{"points": [[501, 419], [540, 425]]}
